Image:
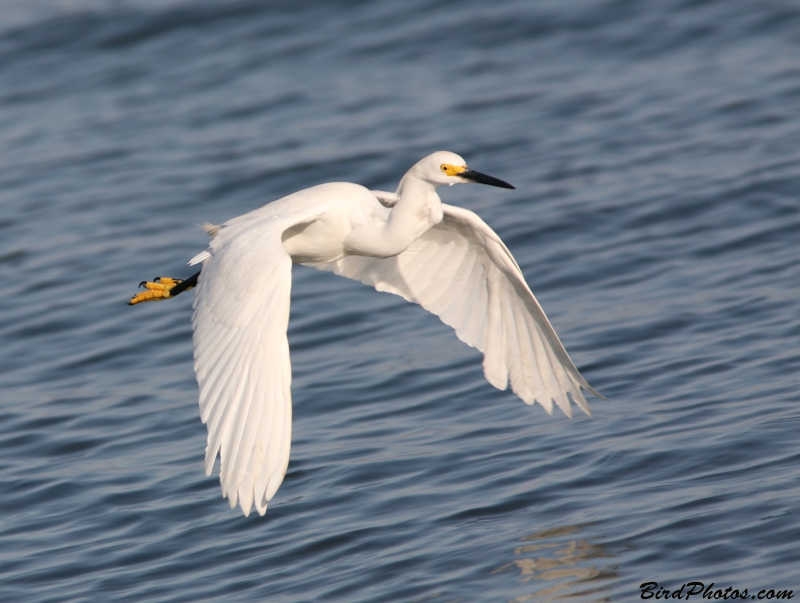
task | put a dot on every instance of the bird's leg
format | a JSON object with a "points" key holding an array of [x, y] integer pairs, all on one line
{"points": [[163, 287]]}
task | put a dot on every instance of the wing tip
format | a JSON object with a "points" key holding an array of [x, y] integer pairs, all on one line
{"points": [[594, 392]]}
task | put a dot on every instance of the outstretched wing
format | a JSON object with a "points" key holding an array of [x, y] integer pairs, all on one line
{"points": [[241, 312], [461, 271]]}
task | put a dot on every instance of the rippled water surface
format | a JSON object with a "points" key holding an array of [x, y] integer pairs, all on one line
{"points": [[655, 150]]}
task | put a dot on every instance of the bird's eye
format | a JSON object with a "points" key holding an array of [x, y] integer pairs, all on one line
{"points": [[444, 167]]}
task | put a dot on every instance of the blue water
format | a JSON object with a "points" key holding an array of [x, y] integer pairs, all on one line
{"points": [[656, 151]]}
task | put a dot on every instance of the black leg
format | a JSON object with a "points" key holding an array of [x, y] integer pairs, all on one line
{"points": [[189, 283]]}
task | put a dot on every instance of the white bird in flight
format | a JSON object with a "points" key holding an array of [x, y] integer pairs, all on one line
{"points": [[409, 243]]}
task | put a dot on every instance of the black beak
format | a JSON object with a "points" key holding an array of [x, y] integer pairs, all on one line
{"points": [[474, 176]]}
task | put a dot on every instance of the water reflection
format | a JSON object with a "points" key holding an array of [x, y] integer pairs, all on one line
{"points": [[562, 562]]}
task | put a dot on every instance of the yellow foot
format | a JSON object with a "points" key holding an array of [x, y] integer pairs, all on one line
{"points": [[156, 290]]}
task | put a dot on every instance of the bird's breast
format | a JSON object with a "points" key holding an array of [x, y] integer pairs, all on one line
{"points": [[433, 212]]}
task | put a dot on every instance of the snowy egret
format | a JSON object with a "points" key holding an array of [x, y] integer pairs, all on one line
{"points": [[409, 243]]}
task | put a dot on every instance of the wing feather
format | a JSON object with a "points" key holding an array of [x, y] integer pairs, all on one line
{"points": [[242, 355], [461, 271]]}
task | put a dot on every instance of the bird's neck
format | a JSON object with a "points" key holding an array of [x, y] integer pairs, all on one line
{"points": [[418, 208]]}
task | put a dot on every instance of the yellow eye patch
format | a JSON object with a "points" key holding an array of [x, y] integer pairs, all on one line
{"points": [[453, 170]]}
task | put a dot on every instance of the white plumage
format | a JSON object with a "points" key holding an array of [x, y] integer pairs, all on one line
{"points": [[408, 243]]}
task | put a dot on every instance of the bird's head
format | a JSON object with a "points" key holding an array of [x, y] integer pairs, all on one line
{"points": [[443, 167]]}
